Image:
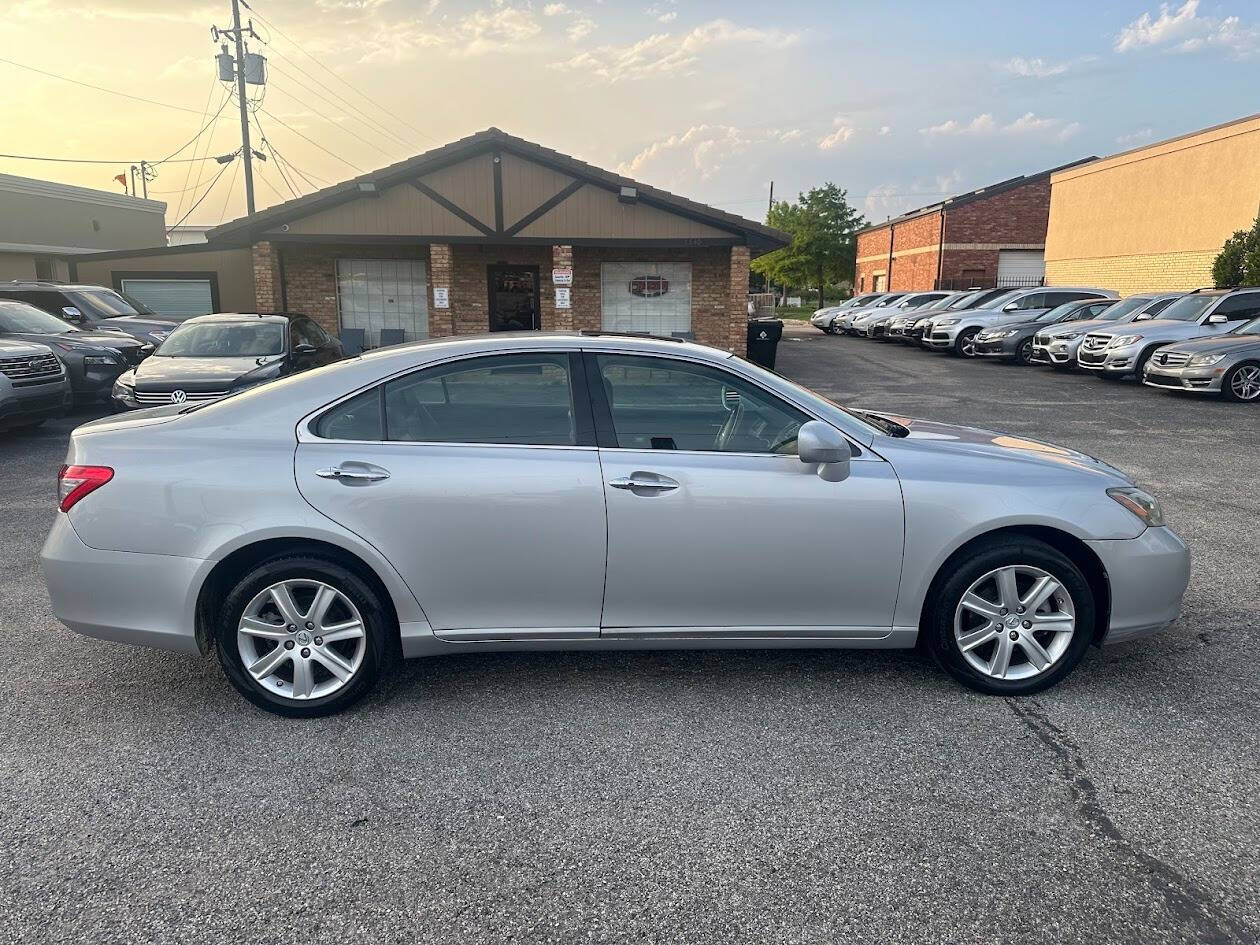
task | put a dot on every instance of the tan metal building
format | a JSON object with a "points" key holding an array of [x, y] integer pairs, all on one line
{"points": [[1154, 218], [491, 232], [43, 224]]}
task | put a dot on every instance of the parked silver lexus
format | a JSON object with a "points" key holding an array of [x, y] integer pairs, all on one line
{"points": [[575, 491]]}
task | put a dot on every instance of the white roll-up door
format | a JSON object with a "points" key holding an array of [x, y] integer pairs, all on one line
{"points": [[1021, 267], [175, 298]]}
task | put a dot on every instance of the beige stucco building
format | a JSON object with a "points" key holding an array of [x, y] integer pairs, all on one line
{"points": [[1154, 218]]}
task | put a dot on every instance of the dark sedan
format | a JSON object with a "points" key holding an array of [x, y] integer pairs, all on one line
{"points": [[1014, 342], [93, 359], [212, 356]]}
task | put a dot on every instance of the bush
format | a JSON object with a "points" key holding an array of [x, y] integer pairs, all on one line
{"points": [[1238, 262]]}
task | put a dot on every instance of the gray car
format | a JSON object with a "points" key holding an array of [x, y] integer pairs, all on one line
{"points": [[1014, 341], [33, 385], [957, 333], [1058, 345], [594, 492], [1227, 364]]}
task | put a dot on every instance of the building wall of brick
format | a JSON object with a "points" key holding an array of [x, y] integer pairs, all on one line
{"points": [[1015, 217], [719, 290], [1153, 272], [872, 257], [267, 293]]}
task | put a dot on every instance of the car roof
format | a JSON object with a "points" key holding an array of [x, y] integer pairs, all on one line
{"points": [[52, 286], [241, 317]]}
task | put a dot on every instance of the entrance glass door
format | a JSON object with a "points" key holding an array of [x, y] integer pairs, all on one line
{"points": [[513, 298]]}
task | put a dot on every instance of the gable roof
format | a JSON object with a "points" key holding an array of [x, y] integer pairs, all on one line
{"points": [[980, 193], [759, 237]]}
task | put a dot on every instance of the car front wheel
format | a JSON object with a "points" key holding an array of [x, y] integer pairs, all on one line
{"points": [[1012, 618], [1025, 352], [1242, 383], [303, 636], [965, 346]]}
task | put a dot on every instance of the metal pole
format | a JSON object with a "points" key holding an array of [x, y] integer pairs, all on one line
{"points": [[240, 94], [133, 180], [144, 179]]}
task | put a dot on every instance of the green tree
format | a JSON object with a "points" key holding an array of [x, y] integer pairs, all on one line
{"points": [[1238, 262], [824, 229]]}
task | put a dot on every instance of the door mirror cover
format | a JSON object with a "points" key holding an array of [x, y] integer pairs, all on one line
{"points": [[823, 444], [304, 349], [1217, 319]]}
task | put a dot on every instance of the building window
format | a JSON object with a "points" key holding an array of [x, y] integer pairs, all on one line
{"points": [[375, 294], [651, 298], [45, 268]]}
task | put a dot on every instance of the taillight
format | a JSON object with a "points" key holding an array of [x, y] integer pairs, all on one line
{"points": [[74, 482]]}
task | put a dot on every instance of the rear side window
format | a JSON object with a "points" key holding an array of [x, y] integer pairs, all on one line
{"points": [[1239, 307], [521, 399]]}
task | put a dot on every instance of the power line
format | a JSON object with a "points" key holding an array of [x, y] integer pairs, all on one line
{"points": [[99, 88], [61, 160], [205, 125], [205, 110], [341, 102], [383, 110], [227, 198], [276, 158], [310, 141], [342, 128], [205, 193]]}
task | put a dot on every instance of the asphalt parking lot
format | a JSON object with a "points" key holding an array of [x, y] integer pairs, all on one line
{"points": [[669, 797]]}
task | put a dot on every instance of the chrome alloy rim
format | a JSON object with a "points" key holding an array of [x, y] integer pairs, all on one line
{"points": [[1246, 382], [968, 346], [301, 639], [1014, 622]]}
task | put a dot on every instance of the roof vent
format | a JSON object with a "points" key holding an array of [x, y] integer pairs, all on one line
{"points": [[628, 195], [368, 187]]}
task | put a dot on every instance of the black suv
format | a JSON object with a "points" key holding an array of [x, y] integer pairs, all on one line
{"points": [[92, 308]]}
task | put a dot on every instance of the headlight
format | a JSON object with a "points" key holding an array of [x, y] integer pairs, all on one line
{"points": [[125, 389], [947, 321], [1203, 360], [1124, 341], [1140, 502], [1066, 337], [103, 359]]}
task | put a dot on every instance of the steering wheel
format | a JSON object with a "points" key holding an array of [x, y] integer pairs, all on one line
{"points": [[784, 436]]}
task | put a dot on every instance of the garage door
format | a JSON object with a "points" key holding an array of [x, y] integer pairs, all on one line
{"points": [[1020, 267], [376, 294], [175, 298]]}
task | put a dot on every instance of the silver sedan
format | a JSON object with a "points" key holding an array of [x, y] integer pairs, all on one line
{"points": [[574, 491]]}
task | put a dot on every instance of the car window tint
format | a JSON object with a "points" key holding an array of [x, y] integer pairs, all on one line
{"points": [[358, 418], [522, 399], [314, 334], [658, 403], [1239, 307], [1033, 300]]}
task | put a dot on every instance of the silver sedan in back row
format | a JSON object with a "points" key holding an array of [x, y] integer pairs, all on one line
{"points": [[574, 491]]}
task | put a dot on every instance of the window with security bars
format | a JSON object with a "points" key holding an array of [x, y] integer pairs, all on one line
{"points": [[650, 298], [378, 294]]}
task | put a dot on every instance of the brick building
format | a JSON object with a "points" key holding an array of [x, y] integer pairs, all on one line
{"points": [[992, 236], [487, 233]]}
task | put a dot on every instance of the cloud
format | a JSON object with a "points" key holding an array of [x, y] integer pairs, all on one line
{"points": [[885, 131], [669, 53], [985, 124], [1183, 30], [662, 15], [888, 200], [499, 28], [702, 151], [1141, 136], [843, 132], [1035, 68], [556, 9]]}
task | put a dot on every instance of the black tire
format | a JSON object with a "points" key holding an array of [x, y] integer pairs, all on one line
{"points": [[1139, 365], [1024, 353], [380, 631], [963, 570], [1227, 381], [965, 340]]}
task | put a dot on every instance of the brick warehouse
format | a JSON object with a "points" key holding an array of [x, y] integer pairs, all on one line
{"points": [[491, 232], [995, 235]]}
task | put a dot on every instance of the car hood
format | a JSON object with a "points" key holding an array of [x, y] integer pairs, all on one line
{"points": [[129, 323], [1217, 344], [1084, 327], [165, 374], [948, 437], [100, 339]]}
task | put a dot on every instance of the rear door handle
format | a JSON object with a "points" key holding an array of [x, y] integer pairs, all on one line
{"points": [[648, 481], [353, 474]]}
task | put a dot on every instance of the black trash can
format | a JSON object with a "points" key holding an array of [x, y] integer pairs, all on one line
{"points": [[763, 340]]}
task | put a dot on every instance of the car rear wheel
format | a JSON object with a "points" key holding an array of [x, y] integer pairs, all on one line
{"points": [[303, 636], [1012, 618], [965, 346], [1242, 383]]}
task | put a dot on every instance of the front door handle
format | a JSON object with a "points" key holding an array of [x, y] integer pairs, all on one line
{"points": [[648, 481], [353, 474]]}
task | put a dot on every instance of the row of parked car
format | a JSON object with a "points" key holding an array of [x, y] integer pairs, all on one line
{"points": [[1205, 341], [67, 344]]}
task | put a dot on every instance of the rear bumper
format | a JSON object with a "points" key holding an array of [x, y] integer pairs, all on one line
{"points": [[1148, 576], [143, 599]]}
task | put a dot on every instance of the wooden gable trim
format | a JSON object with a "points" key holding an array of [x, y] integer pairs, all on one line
{"points": [[455, 208], [545, 207]]}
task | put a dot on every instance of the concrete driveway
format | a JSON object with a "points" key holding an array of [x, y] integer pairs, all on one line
{"points": [[669, 797]]}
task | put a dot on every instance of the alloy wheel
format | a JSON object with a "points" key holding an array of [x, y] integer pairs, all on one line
{"points": [[1014, 622], [301, 639], [967, 344], [1245, 384]]}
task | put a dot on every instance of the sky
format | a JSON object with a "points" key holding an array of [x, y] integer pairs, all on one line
{"points": [[901, 103]]}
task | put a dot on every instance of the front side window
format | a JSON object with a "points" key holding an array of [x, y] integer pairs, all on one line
{"points": [[662, 404], [20, 317], [106, 303], [224, 340], [520, 399]]}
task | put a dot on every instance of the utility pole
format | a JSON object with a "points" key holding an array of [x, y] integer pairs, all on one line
{"points": [[233, 69], [770, 206], [144, 180]]}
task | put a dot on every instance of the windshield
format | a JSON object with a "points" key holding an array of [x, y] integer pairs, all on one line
{"points": [[1188, 308], [963, 301], [106, 303], [224, 340], [888, 300], [991, 298], [1058, 312], [1134, 303], [18, 316]]}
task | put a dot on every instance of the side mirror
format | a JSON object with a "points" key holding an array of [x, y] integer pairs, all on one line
{"points": [[71, 314], [824, 445], [304, 349], [1217, 319], [1010, 307]]}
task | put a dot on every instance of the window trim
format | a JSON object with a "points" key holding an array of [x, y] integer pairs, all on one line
{"points": [[583, 423]]}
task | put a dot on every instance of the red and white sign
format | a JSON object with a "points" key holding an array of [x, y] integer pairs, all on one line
{"points": [[562, 276]]}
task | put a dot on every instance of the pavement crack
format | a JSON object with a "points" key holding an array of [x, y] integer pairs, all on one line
{"points": [[1184, 898]]}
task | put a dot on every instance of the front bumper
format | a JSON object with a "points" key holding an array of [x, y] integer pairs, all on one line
{"points": [[1058, 353], [1147, 576], [1205, 380], [941, 338], [1117, 361], [94, 380], [999, 348], [34, 402], [143, 599]]}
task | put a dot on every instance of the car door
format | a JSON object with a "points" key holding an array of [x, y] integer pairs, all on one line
{"points": [[716, 528], [479, 480]]}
